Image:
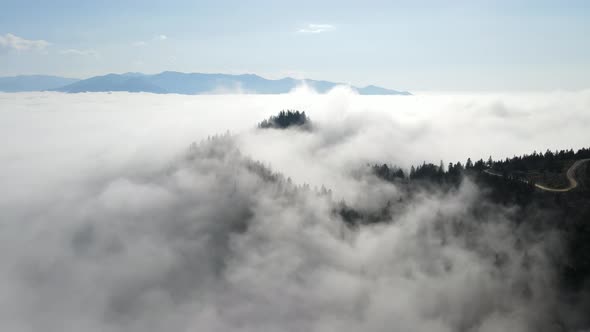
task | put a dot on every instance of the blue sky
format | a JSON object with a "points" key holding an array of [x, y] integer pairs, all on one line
{"points": [[413, 45]]}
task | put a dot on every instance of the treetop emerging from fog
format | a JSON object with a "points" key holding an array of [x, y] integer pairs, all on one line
{"points": [[287, 119]]}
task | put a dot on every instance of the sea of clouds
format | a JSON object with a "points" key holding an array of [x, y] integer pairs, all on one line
{"points": [[111, 221]]}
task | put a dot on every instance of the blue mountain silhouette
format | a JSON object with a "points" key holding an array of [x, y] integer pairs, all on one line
{"points": [[189, 83], [25, 83]]}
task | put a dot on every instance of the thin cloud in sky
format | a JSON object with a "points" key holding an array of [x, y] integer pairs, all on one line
{"points": [[316, 28], [73, 51], [16, 43], [142, 43], [139, 44]]}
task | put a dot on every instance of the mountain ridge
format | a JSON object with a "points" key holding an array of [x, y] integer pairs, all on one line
{"points": [[27, 83], [182, 83]]}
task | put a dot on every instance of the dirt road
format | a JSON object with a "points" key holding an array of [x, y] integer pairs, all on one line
{"points": [[571, 177]]}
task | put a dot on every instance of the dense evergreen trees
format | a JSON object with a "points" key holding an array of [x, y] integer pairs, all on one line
{"points": [[511, 169], [427, 172], [550, 160], [388, 173], [287, 119]]}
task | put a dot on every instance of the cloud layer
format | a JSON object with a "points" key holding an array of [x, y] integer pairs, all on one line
{"points": [[112, 222]]}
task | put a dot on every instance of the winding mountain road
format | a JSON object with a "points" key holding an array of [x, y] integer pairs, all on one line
{"points": [[571, 172]]}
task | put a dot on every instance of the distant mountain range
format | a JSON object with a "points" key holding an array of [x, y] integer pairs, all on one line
{"points": [[33, 83], [176, 82]]}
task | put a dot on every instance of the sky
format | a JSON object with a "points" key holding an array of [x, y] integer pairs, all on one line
{"points": [[406, 45]]}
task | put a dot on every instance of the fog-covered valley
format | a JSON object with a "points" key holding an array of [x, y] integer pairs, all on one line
{"points": [[143, 212]]}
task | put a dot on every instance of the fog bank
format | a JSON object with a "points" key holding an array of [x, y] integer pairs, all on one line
{"points": [[112, 221]]}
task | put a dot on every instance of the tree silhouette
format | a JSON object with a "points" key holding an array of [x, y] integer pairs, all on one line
{"points": [[287, 119]]}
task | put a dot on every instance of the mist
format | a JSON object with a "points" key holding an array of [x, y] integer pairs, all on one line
{"points": [[141, 212]]}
